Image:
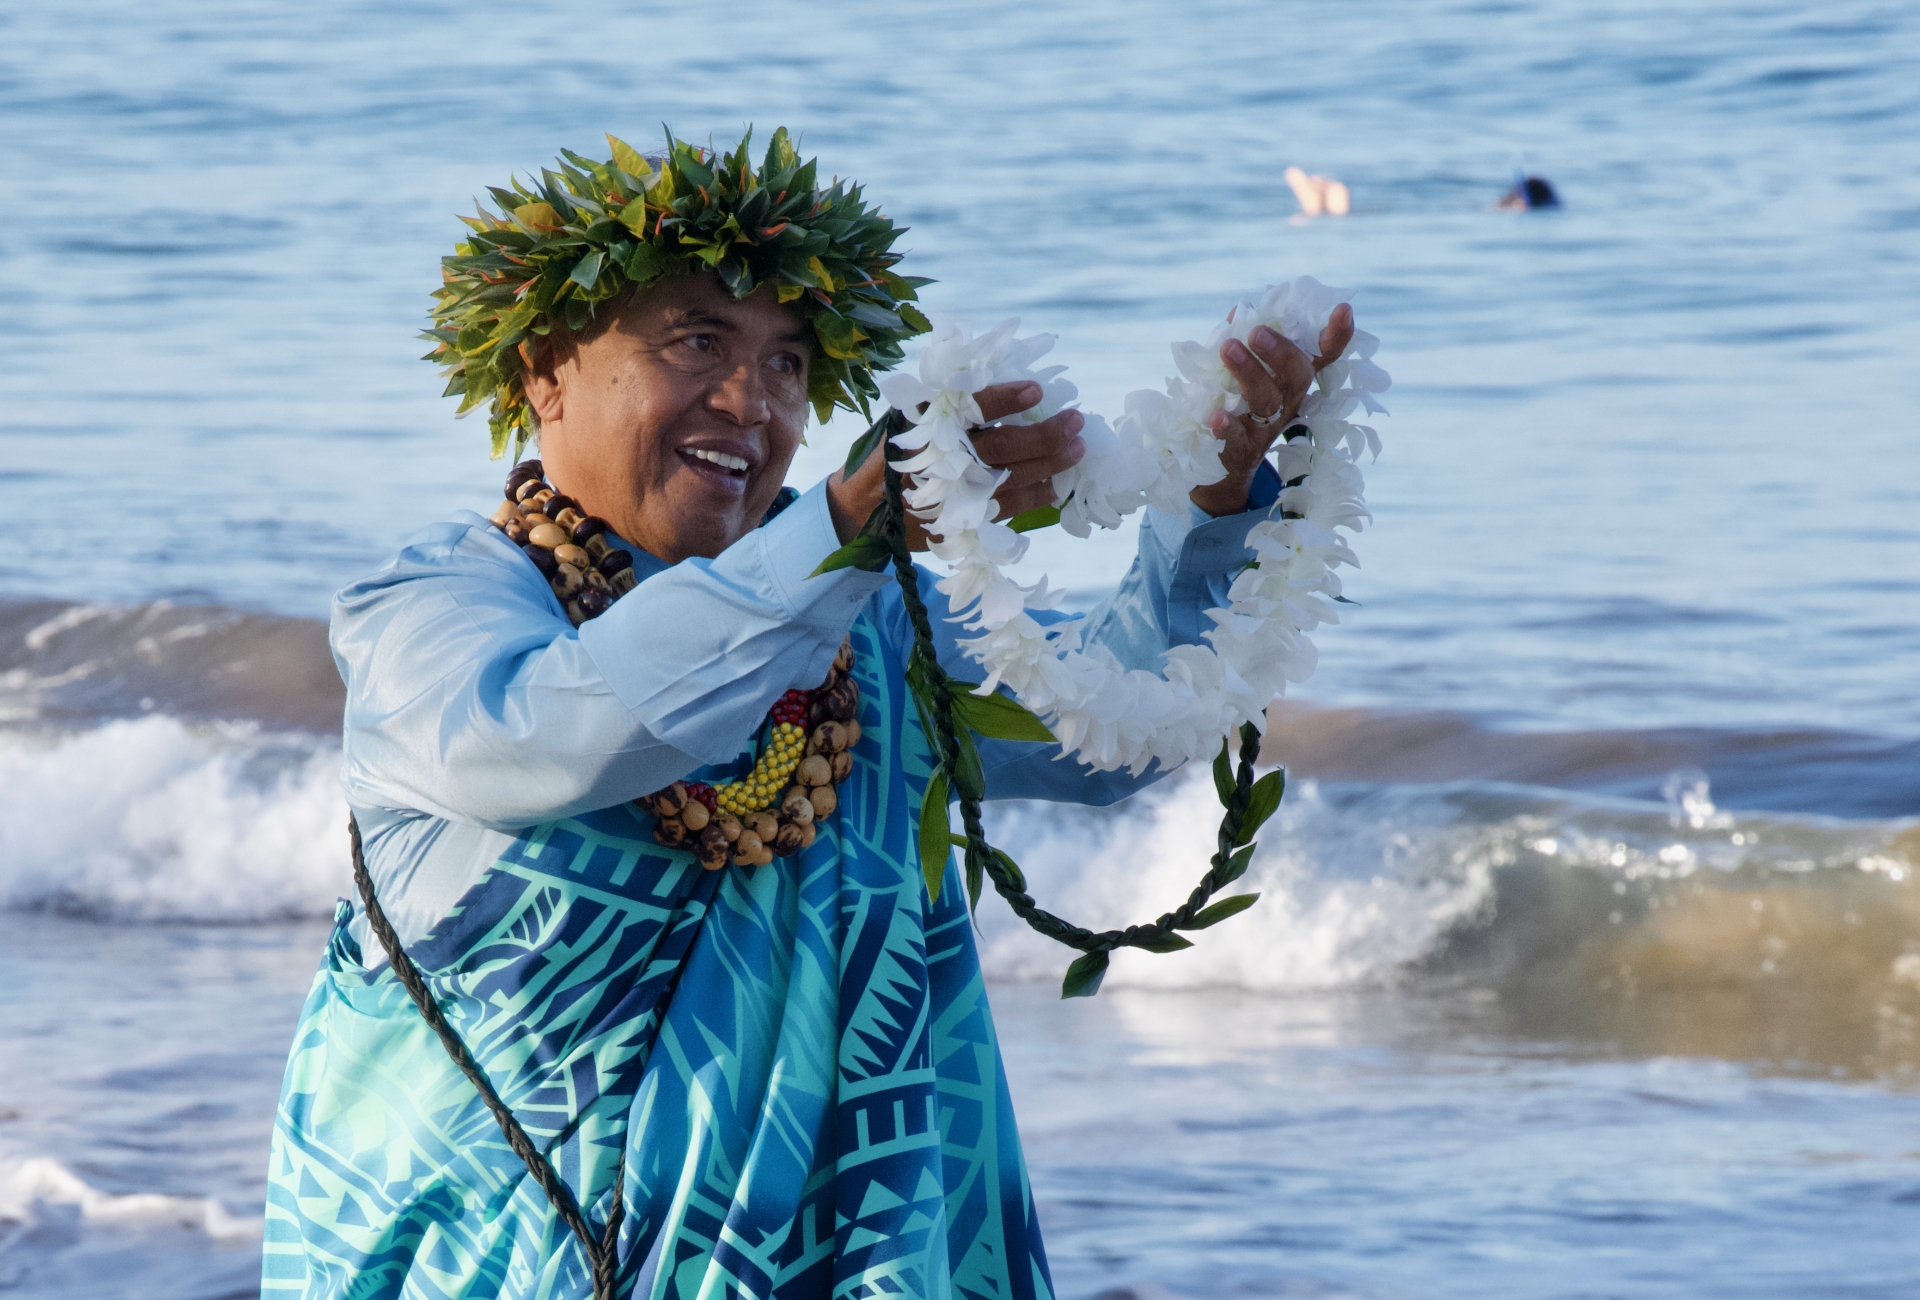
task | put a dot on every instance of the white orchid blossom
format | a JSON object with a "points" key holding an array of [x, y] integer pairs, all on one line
{"points": [[1161, 449]]}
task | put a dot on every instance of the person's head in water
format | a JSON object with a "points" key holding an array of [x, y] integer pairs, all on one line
{"points": [[1528, 193]]}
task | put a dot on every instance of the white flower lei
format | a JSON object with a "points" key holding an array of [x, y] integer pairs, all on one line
{"points": [[1108, 715]]}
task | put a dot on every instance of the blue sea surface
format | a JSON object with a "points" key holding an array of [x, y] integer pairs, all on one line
{"points": [[1651, 457], [1588, 963]]}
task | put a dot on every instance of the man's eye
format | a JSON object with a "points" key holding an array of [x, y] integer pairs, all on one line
{"points": [[785, 363], [700, 342]]}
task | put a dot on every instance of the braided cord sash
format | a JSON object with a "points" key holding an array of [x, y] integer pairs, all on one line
{"points": [[602, 1251]]}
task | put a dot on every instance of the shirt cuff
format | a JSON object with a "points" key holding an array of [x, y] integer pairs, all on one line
{"points": [[699, 650], [1209, 553], [792, 546], [1261, 494], [1212, 546]]}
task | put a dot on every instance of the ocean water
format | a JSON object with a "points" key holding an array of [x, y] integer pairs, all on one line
{"points": [[1588, 956]]}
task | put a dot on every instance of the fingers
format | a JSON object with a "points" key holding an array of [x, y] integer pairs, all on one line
{"points": [[1008, 502], [1243, 442], [1273, 373], [998, 401], [1033, 453], [1017, 501], [1335, 337], [1030, 453]]}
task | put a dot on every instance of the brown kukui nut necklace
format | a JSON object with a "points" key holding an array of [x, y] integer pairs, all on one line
{"points": [[771, 811]]}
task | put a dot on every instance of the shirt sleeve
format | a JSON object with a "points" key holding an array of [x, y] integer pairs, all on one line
{"points": [[470, 696], [1183, 567]]}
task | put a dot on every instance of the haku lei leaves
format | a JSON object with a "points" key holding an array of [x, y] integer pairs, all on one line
{"points": [[589, 232]]}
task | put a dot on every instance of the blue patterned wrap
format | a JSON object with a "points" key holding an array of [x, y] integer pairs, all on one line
{"points": [[796, 1064]]}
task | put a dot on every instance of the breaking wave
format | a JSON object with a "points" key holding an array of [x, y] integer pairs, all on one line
{"points": [[1674, 926], [159, 819], [62, 1236], [32, 1187], [180, 763]]}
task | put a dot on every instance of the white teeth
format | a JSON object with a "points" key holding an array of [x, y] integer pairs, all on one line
{"points": [[719, 458]]}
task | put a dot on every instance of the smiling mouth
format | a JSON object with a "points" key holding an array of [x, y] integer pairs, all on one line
{"points": [[718, 465]]}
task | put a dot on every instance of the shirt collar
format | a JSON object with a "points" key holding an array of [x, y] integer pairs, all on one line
{"points": [[645, 562]]}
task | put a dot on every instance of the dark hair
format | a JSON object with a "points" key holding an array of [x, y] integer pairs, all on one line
{"points": [[1540, 194]]}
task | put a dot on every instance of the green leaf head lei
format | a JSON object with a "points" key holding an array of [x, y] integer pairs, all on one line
{"points": [[592, 232]]}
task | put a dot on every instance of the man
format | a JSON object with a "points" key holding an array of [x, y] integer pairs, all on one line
{"points": [[773, 1081]]}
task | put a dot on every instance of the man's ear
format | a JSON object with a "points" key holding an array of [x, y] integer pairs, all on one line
{"points": [[541, 381]]}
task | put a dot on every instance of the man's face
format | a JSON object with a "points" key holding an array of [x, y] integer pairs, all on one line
{"points": [[677, 425]]}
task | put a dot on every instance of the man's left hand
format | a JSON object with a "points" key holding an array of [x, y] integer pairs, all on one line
{"points": [[1274, 376]]}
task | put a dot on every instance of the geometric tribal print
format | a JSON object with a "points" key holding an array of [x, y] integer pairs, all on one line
{"points": [[795, 1066]]}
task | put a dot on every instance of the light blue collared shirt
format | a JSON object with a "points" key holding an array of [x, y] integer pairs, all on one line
{"points": [[474, 709]]}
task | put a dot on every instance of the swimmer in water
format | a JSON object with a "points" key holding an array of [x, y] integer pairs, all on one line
{"points": [[1528, 194], [1317, 194]]}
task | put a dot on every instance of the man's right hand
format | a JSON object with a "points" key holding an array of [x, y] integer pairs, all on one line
{"points": [[1033, 453]]}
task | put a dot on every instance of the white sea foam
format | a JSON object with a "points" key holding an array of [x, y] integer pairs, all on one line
{"points": [[156, 819], [60, 1236], [1373, 885], [30, 1184], [1343, 901]]}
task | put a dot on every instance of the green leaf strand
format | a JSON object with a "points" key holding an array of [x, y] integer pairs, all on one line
{"points": [[950, 713], [935, 834]]}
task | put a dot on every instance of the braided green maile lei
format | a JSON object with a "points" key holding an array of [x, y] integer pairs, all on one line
{"points": [[952, 714]]}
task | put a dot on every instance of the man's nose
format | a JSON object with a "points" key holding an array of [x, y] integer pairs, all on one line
{"points": [[741, 395]]}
